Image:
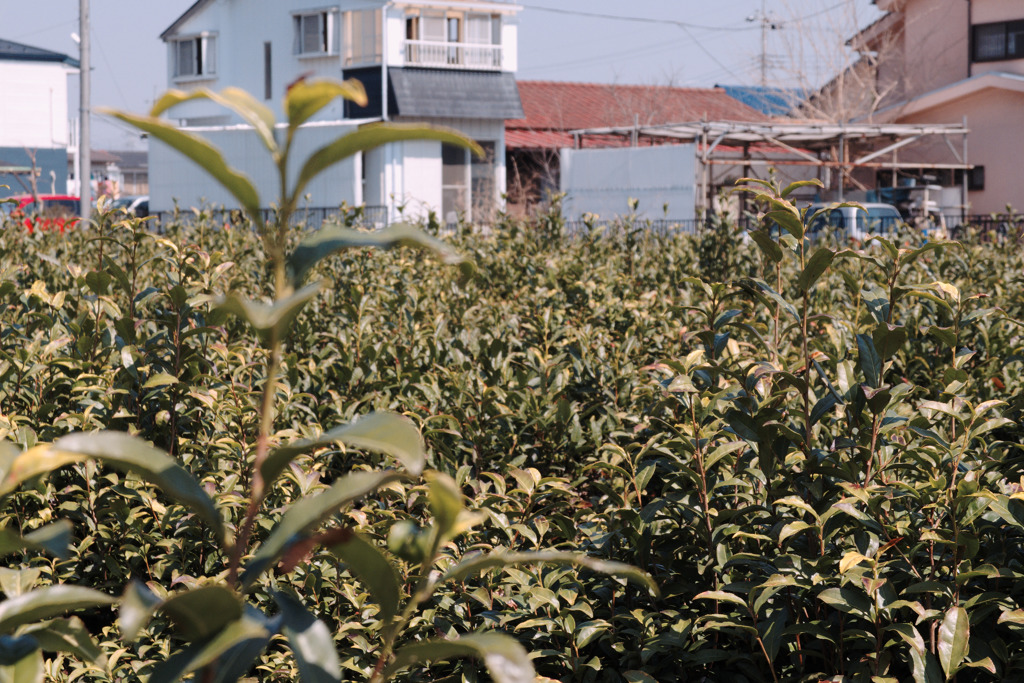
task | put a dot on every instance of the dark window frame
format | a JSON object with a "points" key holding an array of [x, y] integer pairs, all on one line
{"points": [[1013, 40]]}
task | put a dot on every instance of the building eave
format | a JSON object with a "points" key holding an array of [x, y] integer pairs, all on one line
{"points": [[997, 80], [195, 9]]}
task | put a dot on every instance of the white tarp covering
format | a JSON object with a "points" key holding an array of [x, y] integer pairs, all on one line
{"points": [[602, 181]]}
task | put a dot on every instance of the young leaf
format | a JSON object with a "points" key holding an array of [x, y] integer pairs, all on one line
{"points": [[310, 640], [255, 113], [390, 433], [372, 567], [953, 639], [721, 596], [445, 502], [504, 657], [305, 98], [331, 240], [792, 187], [367, 138], [46, 603], [476, 563], [310, 512], [130, 453], [204, 155], [266, 318]]}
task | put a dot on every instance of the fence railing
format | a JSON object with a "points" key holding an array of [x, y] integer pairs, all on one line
{"points": [[984, 228], [444, 55], [312, 217]]}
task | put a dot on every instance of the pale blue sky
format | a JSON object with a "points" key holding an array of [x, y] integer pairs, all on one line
{"points": [[682, 42]]}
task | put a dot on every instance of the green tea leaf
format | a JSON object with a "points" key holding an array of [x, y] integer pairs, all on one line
{"points": [[53, 538], [266, 319], [46, 603], [132, 454], [366, 561], [310, 512], [475, 563], [204, 155], [138, 604], [255, 113], [28, 669], [201, 613], [331, 240], [953, 639], [794, 186], [445, 502], [246, 636], [768, 246], [816, 265], [870, 361], [383, 432], [504, 657], [68, 635], [310, 640], [307, 97]]}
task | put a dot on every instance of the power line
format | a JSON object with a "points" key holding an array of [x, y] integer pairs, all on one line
{"points": [[647, 20]]}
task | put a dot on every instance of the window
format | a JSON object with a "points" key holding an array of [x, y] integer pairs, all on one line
{"points": [[363, 41], [195, 57], [975, 178], [1000, 40], [453, 39], [468, 186], [315, 33]]}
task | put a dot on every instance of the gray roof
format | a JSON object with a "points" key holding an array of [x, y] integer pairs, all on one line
{"points": [[11, 51], [449, 93]]}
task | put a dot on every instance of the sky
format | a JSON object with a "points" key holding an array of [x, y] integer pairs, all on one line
{"points": [[692, 43]]}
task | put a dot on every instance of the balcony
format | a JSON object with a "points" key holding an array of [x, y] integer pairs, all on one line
{"points": [[443, 55]]}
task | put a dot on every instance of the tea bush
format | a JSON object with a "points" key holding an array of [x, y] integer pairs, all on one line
{"points": [[814, 450]]}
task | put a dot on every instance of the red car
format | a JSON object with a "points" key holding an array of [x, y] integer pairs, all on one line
{"points": [[54, 211]]}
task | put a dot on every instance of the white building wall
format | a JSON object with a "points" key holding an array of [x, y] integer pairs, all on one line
{"points": [[34, 105], [174, 177], [241, 29]]}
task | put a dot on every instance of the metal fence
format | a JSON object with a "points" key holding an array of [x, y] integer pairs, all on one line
{"points": [[312, 217], [991, 227]]}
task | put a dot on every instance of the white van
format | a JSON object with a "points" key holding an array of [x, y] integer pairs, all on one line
{"points": [[850, 223]]}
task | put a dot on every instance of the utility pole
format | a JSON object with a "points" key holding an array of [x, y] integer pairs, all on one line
{"points": [[84, 135], [768, 22]]}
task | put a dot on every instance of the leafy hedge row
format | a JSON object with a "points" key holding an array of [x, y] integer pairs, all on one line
{"points": [[815, 453]]}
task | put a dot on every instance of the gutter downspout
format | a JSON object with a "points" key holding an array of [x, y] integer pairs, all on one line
{"points": [[970, 38]]}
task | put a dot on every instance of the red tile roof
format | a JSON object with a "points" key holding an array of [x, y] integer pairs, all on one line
{"points": [[553, 108]]}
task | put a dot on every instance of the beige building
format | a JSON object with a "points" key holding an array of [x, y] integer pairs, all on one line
{"points": [[944, 61]]}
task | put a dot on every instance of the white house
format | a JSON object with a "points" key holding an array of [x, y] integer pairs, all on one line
{"points": [[34, 118], [444, 62]]}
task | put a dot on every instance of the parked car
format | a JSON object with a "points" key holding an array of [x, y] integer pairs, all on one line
{"points": [[850, 223], [52, 212], [137, 205]]}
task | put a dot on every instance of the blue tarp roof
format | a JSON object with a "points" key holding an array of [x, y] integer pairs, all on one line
{"points": [[767, 99]]}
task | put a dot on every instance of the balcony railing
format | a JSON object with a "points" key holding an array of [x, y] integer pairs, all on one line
{"points": [[452, 55]]}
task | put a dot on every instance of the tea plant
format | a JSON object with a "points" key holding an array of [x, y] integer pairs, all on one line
{"points": [[225, 633]]}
